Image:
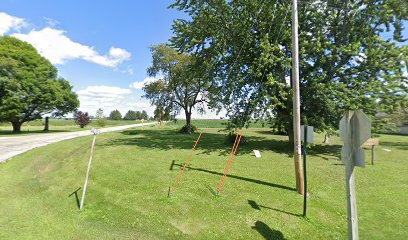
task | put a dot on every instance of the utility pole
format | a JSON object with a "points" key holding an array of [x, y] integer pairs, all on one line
{"points": [[296, 100]]}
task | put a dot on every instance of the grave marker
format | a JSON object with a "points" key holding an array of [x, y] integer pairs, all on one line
{"points": [[257, 154]]}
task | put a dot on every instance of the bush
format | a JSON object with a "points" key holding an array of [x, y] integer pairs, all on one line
{"points": [[82, 119], [188, 129], [101, 122]]}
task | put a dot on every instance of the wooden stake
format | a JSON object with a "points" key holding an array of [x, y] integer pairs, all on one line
{"points": [[229, 163], [184, 167]]}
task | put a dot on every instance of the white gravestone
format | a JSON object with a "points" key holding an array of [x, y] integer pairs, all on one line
{"points": [[257, 154]]}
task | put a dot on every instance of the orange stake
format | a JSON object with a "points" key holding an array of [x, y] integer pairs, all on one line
{"points": [[232, 154], [185, 165]]}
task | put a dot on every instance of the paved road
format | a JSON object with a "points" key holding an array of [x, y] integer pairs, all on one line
{"points": [[12, 146]]}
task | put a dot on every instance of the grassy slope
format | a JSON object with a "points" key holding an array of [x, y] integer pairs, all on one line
{"points": [[127, 193], [57, 125]]}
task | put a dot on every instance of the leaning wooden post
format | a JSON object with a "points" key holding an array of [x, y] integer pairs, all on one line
{"points": [[95, 132], [171, 190], [355, 129]]}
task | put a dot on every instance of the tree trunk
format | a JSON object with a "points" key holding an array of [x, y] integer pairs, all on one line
{"points": [[326, 138], [16, 127], [46, 126], [188, 127], [291, 137]]}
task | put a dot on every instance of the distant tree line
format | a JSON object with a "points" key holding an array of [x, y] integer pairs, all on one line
{"points": [[130, 115]]}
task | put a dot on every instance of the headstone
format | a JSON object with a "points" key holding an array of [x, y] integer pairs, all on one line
{"points": [[257, 154]]}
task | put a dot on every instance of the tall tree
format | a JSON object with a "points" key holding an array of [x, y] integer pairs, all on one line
{"points": [[115, 115], [29, 85], [183, 84], [345, 64], [138, 115], [100, 118], [143, 115], [130, 115]]}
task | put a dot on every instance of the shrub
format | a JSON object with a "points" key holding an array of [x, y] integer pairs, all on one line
{"points": [[188, 129], [82, 119]]}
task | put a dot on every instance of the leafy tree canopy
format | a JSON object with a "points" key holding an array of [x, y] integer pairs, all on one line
{"points": [[143, 115], [182, 84], [345, 64], [29, 85], [82, 119], [130, 115], [115, 115]]}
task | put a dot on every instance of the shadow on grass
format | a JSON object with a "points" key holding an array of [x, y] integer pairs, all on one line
{"points": [[267, 232], [75, 193], [399, 145], [255, 206], [164, 139], [326, 152], [170, 139], [236, 177]]}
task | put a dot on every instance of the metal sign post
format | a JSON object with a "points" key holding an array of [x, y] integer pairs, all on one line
{"points": [[95, 132], [355, 129], [306, 137]]}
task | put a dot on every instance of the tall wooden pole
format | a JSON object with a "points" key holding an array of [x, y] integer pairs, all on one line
{"points": [[296, 100]]}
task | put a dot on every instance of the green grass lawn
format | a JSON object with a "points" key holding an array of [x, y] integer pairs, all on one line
{"points": [[213, 123], [132, 170], [57, 125]]}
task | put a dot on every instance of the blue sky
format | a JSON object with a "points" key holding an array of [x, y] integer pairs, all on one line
{"points": [[83, 34], [101, 47]]}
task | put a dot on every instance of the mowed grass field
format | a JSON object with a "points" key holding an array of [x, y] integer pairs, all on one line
{"points": [[132, 170], [56, 125]]}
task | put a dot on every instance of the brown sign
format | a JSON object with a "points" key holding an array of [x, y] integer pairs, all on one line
{"points": [[372, 142]]}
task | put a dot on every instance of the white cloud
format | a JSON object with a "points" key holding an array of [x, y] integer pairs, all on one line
{"points": [[114, 98], [111, 98], [140, 85], [106, 97], [129, 71], [54, 45], [8, 23], [51, 22], [104, 93]]}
